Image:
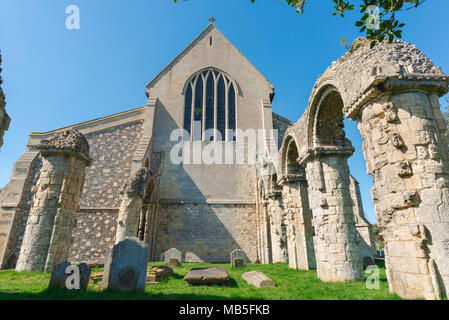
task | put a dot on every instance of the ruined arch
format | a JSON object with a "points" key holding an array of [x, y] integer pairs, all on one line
{"points": [[392, 92]]}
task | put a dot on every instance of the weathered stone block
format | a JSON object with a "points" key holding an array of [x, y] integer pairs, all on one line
{"points": [[207, 276], [258, 279]]}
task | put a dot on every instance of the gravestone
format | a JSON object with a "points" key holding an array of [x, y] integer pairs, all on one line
{"points": [[258, 279], [238, 258], [367, 261], [157, 273], [207, 276], [126, 266], [173, 257], [59, 276]]}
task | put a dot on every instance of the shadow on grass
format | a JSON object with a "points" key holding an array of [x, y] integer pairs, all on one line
{"points": [[62, 294]]}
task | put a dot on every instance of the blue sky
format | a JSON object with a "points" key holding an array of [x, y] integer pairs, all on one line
{"points": [[55, 77]]}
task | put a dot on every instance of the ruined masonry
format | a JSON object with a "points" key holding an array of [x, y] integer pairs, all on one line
{"points": [[4, 118], [298, 203], [48, 233]]}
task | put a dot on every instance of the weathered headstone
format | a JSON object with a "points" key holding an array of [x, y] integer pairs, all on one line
{"points": [[173, 257], [157, 273], [59, 276], [258, 279], [126, 266], [367, 261], [238, 258], [84, 275], [207, 276]]}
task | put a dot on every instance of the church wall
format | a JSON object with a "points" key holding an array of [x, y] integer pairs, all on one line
{"points": [[200, 184], [111, 151], [94, 235], [206, 232]]}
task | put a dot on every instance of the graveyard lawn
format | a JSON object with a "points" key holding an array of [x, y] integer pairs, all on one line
{"points": [[290, 285]]}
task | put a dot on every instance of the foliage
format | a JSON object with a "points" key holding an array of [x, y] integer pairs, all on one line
{"points": [[378, 238], [291, 285], [387, 25]]}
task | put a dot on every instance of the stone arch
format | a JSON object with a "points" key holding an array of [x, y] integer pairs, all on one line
{"points": [[392, 92]]}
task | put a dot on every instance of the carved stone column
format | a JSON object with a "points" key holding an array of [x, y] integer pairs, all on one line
{"points": [[301, 252], [336, 240], [130, 212], [405, 145], [48, 234], [277, 227]]}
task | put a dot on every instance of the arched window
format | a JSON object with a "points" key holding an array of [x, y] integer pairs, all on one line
{"points": [[210, 106]]}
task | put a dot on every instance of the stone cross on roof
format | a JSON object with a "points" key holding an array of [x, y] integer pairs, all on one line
{"points": [[212, 19]]}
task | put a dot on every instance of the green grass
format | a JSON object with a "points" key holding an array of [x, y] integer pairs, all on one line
{"points": [[291, 285]]}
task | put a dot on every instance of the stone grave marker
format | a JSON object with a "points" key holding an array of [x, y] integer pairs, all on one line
{"points": [[258, 279], [173, 257], [59, 276], [238, 258], [207, 276], [157, 273], [126, 266]]}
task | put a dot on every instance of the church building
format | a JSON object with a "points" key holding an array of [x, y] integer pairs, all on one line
{"points": [[213, 93]]}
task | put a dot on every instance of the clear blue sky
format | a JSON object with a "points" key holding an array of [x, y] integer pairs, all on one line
{"points": [[54, 77]]}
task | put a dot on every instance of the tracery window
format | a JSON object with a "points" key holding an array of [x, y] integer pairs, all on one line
{"points": [[210, 103]]}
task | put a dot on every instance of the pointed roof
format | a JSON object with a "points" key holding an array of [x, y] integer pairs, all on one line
{"points": [[192, 44]]}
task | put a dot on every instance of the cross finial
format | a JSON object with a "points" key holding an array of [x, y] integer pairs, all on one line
{"points": [[212, 20]]}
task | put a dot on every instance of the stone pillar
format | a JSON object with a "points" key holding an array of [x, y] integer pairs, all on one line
{"points": [[265, 239], [130, 212], [405, 145], [277, 227], [336, 240], [301, 252], [48, 234], [4, 118]]}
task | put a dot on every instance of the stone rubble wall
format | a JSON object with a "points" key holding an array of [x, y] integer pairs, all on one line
{"points": [[94, 235], [111, 151]]}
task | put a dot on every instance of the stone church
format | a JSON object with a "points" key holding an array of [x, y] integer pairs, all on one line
{"points": [[78, 190], [205, 210]]}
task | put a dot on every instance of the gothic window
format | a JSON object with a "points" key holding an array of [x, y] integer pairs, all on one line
{"points": [[198, 110], [210, 106], [188, 111]]}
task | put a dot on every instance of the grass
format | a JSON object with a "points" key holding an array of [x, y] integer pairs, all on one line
{"points": [[291, 285]]}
